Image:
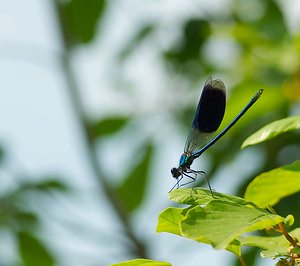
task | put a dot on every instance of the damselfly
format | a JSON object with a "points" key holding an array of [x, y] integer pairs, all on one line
{"points": [[207, 119]]}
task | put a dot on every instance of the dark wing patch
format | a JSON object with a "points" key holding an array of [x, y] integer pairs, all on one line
{"points": [[211, 107]]}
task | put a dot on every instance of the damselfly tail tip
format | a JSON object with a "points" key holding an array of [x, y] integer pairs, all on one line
{"points": [[257, 95], [259, 92]]}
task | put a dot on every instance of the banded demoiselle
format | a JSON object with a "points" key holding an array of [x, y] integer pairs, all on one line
{"points": [[208, 117]]}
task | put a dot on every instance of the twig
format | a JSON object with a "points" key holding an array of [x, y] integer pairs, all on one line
{"points": [[287, 235], [90, 148], [243, 263], [282, 229]]}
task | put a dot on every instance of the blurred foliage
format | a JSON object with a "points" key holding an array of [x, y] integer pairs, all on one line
{"points": [[2, 157], [33, 251], [140, 36], [17, 215], [185, 56], [22, 220], [79, 19], [142, 262], [250, 46], [106, 127], [136, 181]]}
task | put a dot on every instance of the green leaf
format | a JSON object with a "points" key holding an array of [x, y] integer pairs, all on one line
{"points": [[79, 19], [273, 246], [25, 218], [142, 262], [185, 55], [270, 187], [272, 25], [141, 35], [44, 185], [235, 247], [132, 190], [169, 220], [2, 155], [51, 184], [220, 222], [32, 251], [107, 126], [272, 130], [289, 220], [196, 196]]}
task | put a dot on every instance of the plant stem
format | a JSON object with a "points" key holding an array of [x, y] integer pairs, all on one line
{"points": [[139, 249], [287, 235], [243, 263], [283, 230]]}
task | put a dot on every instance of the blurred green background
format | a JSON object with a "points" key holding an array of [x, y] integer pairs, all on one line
{"points": [[97, 99]]}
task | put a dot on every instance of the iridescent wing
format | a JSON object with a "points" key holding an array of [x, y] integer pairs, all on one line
{"points": [[208, 116]]}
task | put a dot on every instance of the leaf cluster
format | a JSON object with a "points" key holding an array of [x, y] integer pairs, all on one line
{"points": [[226, 221]]}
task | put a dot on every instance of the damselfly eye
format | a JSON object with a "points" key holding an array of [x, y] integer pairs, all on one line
{"points": [[175, 172]]}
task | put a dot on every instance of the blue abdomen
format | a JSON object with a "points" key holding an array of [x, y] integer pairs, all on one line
{"points": [[182, 160]]}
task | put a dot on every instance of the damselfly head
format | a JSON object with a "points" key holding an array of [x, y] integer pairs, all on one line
{"points": [[175, 172]]}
